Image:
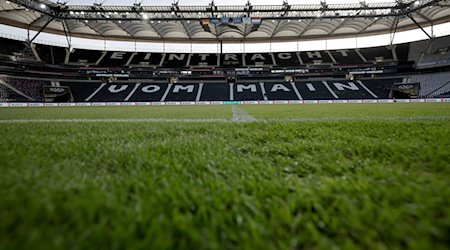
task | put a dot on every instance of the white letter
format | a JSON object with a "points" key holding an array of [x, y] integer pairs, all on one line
{"points": [[277, 87], [343, 52], [203, 57], [151, 89], [284, 56], [228, 57], [178, 57], [341, 86], [313, 55], [117, 55], [113, 89], [189, 88], [257, 56], [147, 56], [240, 88]]}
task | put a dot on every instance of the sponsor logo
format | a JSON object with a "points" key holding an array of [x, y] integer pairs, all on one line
{"points": [[57, 90], [407, 86]]}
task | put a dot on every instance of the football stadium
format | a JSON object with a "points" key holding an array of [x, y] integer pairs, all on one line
{"points": [[213, 124]]}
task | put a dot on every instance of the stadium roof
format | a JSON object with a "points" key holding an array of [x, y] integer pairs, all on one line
{"points": [[177, 21]]}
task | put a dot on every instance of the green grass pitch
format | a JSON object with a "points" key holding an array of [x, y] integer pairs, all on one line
{"points": [[327, 176]]}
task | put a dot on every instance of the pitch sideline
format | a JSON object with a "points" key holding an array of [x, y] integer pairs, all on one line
{"points": [[235, 120]]}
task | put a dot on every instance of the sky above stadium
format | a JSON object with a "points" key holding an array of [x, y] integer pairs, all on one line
{"points": [[206, 2]]}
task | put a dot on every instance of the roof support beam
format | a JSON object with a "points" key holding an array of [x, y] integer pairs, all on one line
{"points": [[338, 26], [40, 30], [367, 26], [305, 29], [418, 25], [156, 29], [88, 24], [275, 30], [36, 20], [394, 29], [67, 33], [186, 29], [125, 30]]}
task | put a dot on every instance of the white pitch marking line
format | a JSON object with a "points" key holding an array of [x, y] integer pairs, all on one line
{"points": [[240, 115], [118, 120], [223, 120]]}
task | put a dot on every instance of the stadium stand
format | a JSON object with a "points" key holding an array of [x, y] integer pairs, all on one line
{"points": [[286, 59], [347, 56], [51, 54], [146, 59], [431, 53], [215, 91], [57, 55], [9, 47], [82, 90], [220, 90], [432, 85], [314, 90], [231, 60], [281, 91], [8, 95], [174, 60], [145, 92], [85, 57], [31, 88], [315, 57], [115, 59], [316, 75], [259, 59], [379, 54], [401, 52]]}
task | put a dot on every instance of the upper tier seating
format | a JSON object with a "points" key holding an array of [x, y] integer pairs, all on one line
{"points": [[57, 55], [51, 54], [85, 57], [431, 53], [9, 47], [378, 54]]}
